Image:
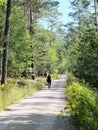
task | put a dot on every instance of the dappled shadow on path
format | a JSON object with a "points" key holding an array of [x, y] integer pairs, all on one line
{"points": [[35, 122], [38, 112]]}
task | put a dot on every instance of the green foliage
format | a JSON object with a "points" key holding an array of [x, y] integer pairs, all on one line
{"points": [[82, 45], [83, 106], [15, 90], [53, 59], [44, 55], [2, 2], [55, 76], [30, 51], [70, 78], [19, 49], [82, 59], [40, 50]]}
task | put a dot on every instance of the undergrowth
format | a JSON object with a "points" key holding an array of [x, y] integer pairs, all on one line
{"points": [[82, 106], [15, 90]]}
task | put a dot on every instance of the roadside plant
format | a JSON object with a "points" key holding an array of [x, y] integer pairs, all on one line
{"points": [[83, 106], [15, 90]]}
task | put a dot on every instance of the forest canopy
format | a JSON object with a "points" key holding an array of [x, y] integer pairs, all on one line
{"points": [[28, 49]]}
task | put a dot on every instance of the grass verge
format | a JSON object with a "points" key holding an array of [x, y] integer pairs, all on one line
{"points": [[15, 90]]}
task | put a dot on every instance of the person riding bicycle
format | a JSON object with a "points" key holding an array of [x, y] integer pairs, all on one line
{"points": [[49, 80]]}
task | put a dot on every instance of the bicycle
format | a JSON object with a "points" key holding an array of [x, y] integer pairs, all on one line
{"points": [[49, 85]]}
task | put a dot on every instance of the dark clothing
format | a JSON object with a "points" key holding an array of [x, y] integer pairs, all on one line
{"points": [[49, 79]]}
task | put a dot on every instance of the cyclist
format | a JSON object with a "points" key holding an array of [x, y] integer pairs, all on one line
{"points": [[49, 80]]}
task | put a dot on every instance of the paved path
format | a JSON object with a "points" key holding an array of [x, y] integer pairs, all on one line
{"points": [[38, 112]]}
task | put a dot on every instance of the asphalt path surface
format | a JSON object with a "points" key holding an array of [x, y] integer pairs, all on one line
{"points": [[38, 112]]}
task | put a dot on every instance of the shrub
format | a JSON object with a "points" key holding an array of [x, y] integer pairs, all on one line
{"points": [[70, 78], [55, 76], [83, 106]]}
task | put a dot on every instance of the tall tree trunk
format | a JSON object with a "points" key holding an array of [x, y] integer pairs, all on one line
{"points": [[95, 7], [5, 45], [31, 21], [32, 65]]}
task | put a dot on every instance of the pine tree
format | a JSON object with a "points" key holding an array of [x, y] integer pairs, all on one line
{"points": [[5, 44]]}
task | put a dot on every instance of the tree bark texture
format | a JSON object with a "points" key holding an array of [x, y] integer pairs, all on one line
{"points": [[5, 44], [95, 7]]}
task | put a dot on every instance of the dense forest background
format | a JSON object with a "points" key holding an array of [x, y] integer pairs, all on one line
{"points": [[33, 39]]}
